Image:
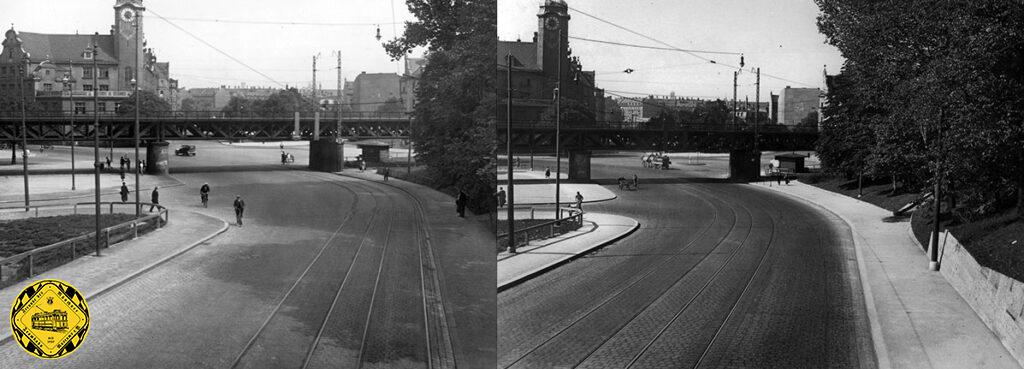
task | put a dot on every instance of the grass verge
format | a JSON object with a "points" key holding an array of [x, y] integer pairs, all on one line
{"points": [[534, 234], [26, 234]]}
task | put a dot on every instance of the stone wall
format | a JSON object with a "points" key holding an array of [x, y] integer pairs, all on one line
{"points": [[998, 299]]}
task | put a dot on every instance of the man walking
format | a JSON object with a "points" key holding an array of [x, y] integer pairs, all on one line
{"points": [[501, 197], [460, 204], [155, 197], [387, 173], [124, 192], [547, 173], [636, 181], [579, 201], [239, 209]]}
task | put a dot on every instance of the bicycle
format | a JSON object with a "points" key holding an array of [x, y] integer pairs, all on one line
{"points": [[205, 198]]}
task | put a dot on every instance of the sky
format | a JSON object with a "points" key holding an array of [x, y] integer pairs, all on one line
{"points": [[781, 37], [282, 52]]}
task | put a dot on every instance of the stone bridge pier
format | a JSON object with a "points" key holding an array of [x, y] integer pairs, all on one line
{"points": [[325, 155]]}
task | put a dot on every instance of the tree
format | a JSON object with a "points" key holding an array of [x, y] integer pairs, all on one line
{"points": [[454, 130], [188, 104], [238, 106], [284, 103], [811, 120], [945, 79], [150, 105]]}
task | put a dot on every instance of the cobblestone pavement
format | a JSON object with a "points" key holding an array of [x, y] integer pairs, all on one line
{"points": [[719, 275], [326, 268]]}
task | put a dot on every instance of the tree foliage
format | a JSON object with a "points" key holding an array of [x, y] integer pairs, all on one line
{"points": [[453, 131], [239, 106], [149, 105], [924, 83]]}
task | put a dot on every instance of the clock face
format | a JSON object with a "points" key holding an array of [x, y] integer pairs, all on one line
{"points": [[128, 15], [551, 23]]}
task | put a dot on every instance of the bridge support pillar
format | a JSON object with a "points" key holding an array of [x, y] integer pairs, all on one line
{"points": [[579, 165], [744, 165], [316, 126], [156, 158], [326, 156]]}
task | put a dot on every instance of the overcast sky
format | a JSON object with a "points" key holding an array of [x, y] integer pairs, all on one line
{"points": [[282, 52], [780, 37]]}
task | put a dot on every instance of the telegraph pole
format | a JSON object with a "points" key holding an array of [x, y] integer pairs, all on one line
{"points": [[734, 78], [71, 99], [23, 78], [337, 128], [757, 109], [508, 156], [314, 81]]}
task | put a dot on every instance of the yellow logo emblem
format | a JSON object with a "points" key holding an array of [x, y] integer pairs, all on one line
{"points": [[50, 319]]}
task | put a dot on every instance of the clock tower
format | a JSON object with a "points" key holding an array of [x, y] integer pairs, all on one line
{"points": [[553, 35], [126, 14]]}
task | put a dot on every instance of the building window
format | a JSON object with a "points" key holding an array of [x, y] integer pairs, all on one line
{"points": [[87, 55], [104, 87], [47, 72], [47, 87], [104, 73], [79, 107], [86, 72], [101, 106], [117, 106], [128, 74], [86, 87]]}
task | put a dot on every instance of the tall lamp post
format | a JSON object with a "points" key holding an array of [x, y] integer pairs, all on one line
{"points": [[508, 156], [69, 81], [135, 83], [558, 131], [96, 142], [24, 78]]}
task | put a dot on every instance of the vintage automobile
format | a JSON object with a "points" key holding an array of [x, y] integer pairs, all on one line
{"points": [[185, 150]]}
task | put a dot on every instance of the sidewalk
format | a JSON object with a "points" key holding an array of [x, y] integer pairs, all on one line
{"points": [[47, 187], [122, 261], [540, 256], [542, 194], [917, 319]]}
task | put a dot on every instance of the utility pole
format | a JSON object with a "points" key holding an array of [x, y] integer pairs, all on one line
{"points": [[757, 109], [734, 78], [22, 79], [933, 252], [337, 128], [314, 81], [558, 130], [96, 142], [71, 99], [138, 80], [508, 156]]}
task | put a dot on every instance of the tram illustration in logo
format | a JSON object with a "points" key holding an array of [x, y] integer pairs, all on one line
{"points": [[50, 319]]}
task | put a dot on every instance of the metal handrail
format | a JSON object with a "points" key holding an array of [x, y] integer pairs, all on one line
{"points": [[162, 214], [576, 216]]}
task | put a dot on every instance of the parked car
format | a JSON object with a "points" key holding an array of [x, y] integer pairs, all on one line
{"points": [[185, 150]]}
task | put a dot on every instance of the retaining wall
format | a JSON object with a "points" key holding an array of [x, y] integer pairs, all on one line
{"points": [[998, 299]]}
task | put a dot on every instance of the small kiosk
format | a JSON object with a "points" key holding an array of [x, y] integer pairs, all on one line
{"points": [[373, 151], [792, 162]]}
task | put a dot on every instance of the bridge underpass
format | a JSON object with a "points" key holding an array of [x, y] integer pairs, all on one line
{"points": [[579, 143], [155, 129]]}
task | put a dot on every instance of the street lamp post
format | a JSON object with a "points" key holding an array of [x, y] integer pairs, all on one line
{"points": [[96, 142], [138, 206], [933, 251], [508, 156], [68, 83], [23, 78], [558, 131]]}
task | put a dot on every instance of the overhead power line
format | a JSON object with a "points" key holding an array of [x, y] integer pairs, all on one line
{"points": [[175, 25], [691, 53], [272, 22], [652, 47]]}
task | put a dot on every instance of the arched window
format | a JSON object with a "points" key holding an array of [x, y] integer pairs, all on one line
{"points": [[128, 74]]}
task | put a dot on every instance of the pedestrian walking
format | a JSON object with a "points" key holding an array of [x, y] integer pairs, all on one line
{"points": [[124, 192], [239, 209], [387, 173], [785, 177], [122, 171], [501, 197], [155, 197], [547, 173], [636, 181], [284, 158], [460, 204], [778, 178], [121, 160], [127, 164], [108, 162], [362, 165], [579, 201]]}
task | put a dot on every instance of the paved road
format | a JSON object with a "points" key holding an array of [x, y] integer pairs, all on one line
{"points": [[719, 275], [327, 271]]}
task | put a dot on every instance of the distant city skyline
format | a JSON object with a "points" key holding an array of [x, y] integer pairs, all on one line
{"points": [[276, 38], [780, 38]]}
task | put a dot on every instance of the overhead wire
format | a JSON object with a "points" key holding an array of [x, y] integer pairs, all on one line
{"points": [[283, 23]]}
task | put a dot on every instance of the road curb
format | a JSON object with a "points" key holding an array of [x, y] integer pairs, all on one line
{"points": [[113, 191], [545, 268], [877, 338], [107, 288]]}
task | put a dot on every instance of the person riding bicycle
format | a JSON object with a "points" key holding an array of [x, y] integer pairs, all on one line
{"points": [[204, 193]]}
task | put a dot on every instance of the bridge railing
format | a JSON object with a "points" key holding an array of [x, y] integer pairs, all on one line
{"points": [[645, 126], [29, 263], [571, 219], [207, 114]]}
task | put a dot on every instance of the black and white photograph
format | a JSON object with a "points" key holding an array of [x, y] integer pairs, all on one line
{"points": [[299, 184], [752, 184]]}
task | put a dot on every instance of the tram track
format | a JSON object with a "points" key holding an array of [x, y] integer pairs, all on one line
{"points": [[650, 271]]}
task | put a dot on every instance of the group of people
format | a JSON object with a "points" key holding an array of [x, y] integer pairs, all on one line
{"points": [[286, 157], [125, 165], [774, 170], [238, 205]]}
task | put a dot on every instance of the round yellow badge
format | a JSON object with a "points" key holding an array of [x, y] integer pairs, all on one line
{"points": [[50, 319]]}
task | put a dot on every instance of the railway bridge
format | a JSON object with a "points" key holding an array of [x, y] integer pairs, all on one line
{"points": [[157, 127], [743, 142]]}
